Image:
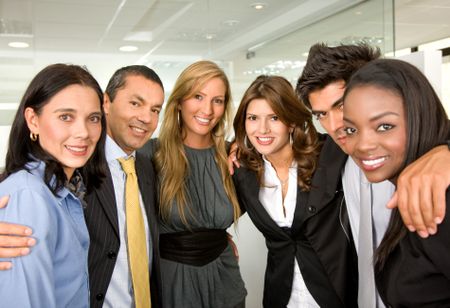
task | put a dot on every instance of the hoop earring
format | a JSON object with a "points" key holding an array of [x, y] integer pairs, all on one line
{"points": [[178, 118], [246, 142], [291, 140], [33, 137]]}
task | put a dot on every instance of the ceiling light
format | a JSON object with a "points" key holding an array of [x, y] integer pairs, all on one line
{"points": [[128, 48], [210, 36], [18, 44], [305, 54], [259, 5]]}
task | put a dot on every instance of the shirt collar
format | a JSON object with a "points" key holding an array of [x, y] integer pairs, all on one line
{"points": [[113, 150]]}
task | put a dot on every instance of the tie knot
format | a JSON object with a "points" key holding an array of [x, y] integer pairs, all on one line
{"points": [[127, 165]]}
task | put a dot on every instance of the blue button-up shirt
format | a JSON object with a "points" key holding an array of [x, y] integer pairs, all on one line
{"points": [[56, 273]]}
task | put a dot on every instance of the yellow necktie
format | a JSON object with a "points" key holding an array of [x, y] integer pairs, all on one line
{"points": [[137, 247]]}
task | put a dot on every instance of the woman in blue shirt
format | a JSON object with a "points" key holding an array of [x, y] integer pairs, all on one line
{"points": [[52, 147]]}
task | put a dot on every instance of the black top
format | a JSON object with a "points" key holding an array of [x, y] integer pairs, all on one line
{"points": [[103, 225], [319, 238], [417, 272]]}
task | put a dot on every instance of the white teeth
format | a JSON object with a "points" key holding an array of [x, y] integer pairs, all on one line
{"points": [[265, 139], [373, 161], [76, 149], [203, 120], [137, 129]]}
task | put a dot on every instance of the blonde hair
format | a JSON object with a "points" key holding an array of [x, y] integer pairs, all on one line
{"points": [[170, 158]]}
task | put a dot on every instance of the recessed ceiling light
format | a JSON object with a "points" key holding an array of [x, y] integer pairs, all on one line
{"points": [[128, 48], [18, 44], [305, 54], [358, 13], [210, 36], [258, 5]]}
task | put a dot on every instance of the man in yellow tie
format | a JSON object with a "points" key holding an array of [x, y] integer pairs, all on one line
{"points": [[121, 211], [122, 215]]}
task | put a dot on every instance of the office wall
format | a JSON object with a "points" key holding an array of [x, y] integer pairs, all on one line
{"points": [[4, 135]]}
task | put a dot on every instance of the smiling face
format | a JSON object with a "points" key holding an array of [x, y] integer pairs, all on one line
{"points": [[375, 124], [69, 126], [201, 113], [265, 131], [327, 107], [133, 116]]}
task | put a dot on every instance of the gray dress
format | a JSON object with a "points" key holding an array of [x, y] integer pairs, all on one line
{"points": [[218, 283]]}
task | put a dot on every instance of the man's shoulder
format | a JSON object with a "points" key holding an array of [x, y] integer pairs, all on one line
{"points": [[149, 149]]}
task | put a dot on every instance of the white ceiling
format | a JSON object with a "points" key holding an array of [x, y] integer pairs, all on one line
{"points": [[170, 34]]}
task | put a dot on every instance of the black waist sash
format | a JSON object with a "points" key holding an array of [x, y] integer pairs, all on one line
{"points": [[197, 247]]}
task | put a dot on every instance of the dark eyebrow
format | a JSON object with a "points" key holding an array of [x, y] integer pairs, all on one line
{"points": [[375, 118], [381, 115], [141, 99], [338, 102], [138, 97], [65, 110], [334, 105], [348, 120]]}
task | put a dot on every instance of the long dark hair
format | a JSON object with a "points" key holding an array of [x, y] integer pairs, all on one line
{"points": [[427, 124], [21, 149], [280, 95]]}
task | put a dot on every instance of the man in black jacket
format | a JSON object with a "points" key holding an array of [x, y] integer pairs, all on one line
{"points": [[132, 102], [321, 87]]}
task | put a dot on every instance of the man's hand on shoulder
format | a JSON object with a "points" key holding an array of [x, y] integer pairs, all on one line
{"points": [[15, 240], [421, 189]]}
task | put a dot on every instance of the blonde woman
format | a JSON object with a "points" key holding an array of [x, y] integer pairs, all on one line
{"points": [[196, 193]]}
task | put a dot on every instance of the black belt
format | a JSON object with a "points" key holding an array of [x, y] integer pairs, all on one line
{"points": [[198, 247]]}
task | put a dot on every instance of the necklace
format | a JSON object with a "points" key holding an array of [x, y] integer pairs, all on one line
{"points": [[284, 182]]}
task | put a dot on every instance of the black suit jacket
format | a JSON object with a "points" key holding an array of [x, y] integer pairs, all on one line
{"points": [[319, 238], [102, 223], [417, 271]]}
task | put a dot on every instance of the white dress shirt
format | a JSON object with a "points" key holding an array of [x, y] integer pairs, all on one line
{"points": [[381, 194], [120, 291], [271, 198]]}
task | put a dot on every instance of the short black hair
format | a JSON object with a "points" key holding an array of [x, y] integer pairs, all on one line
{"points": [[118, 79], [330, 64]]}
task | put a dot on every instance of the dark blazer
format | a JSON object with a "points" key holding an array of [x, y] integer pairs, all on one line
{"points": [[417, 272], [320, 237], [102, 223]]}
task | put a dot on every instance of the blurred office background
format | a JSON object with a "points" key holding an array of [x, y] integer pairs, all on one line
{"points": [[245, 37]]}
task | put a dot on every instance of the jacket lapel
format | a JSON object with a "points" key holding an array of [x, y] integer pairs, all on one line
{"points": [[251, 184], [325, 183], [107, 199]]}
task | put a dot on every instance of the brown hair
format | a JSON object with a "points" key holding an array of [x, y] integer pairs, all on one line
{"points": [[280, 95]]}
